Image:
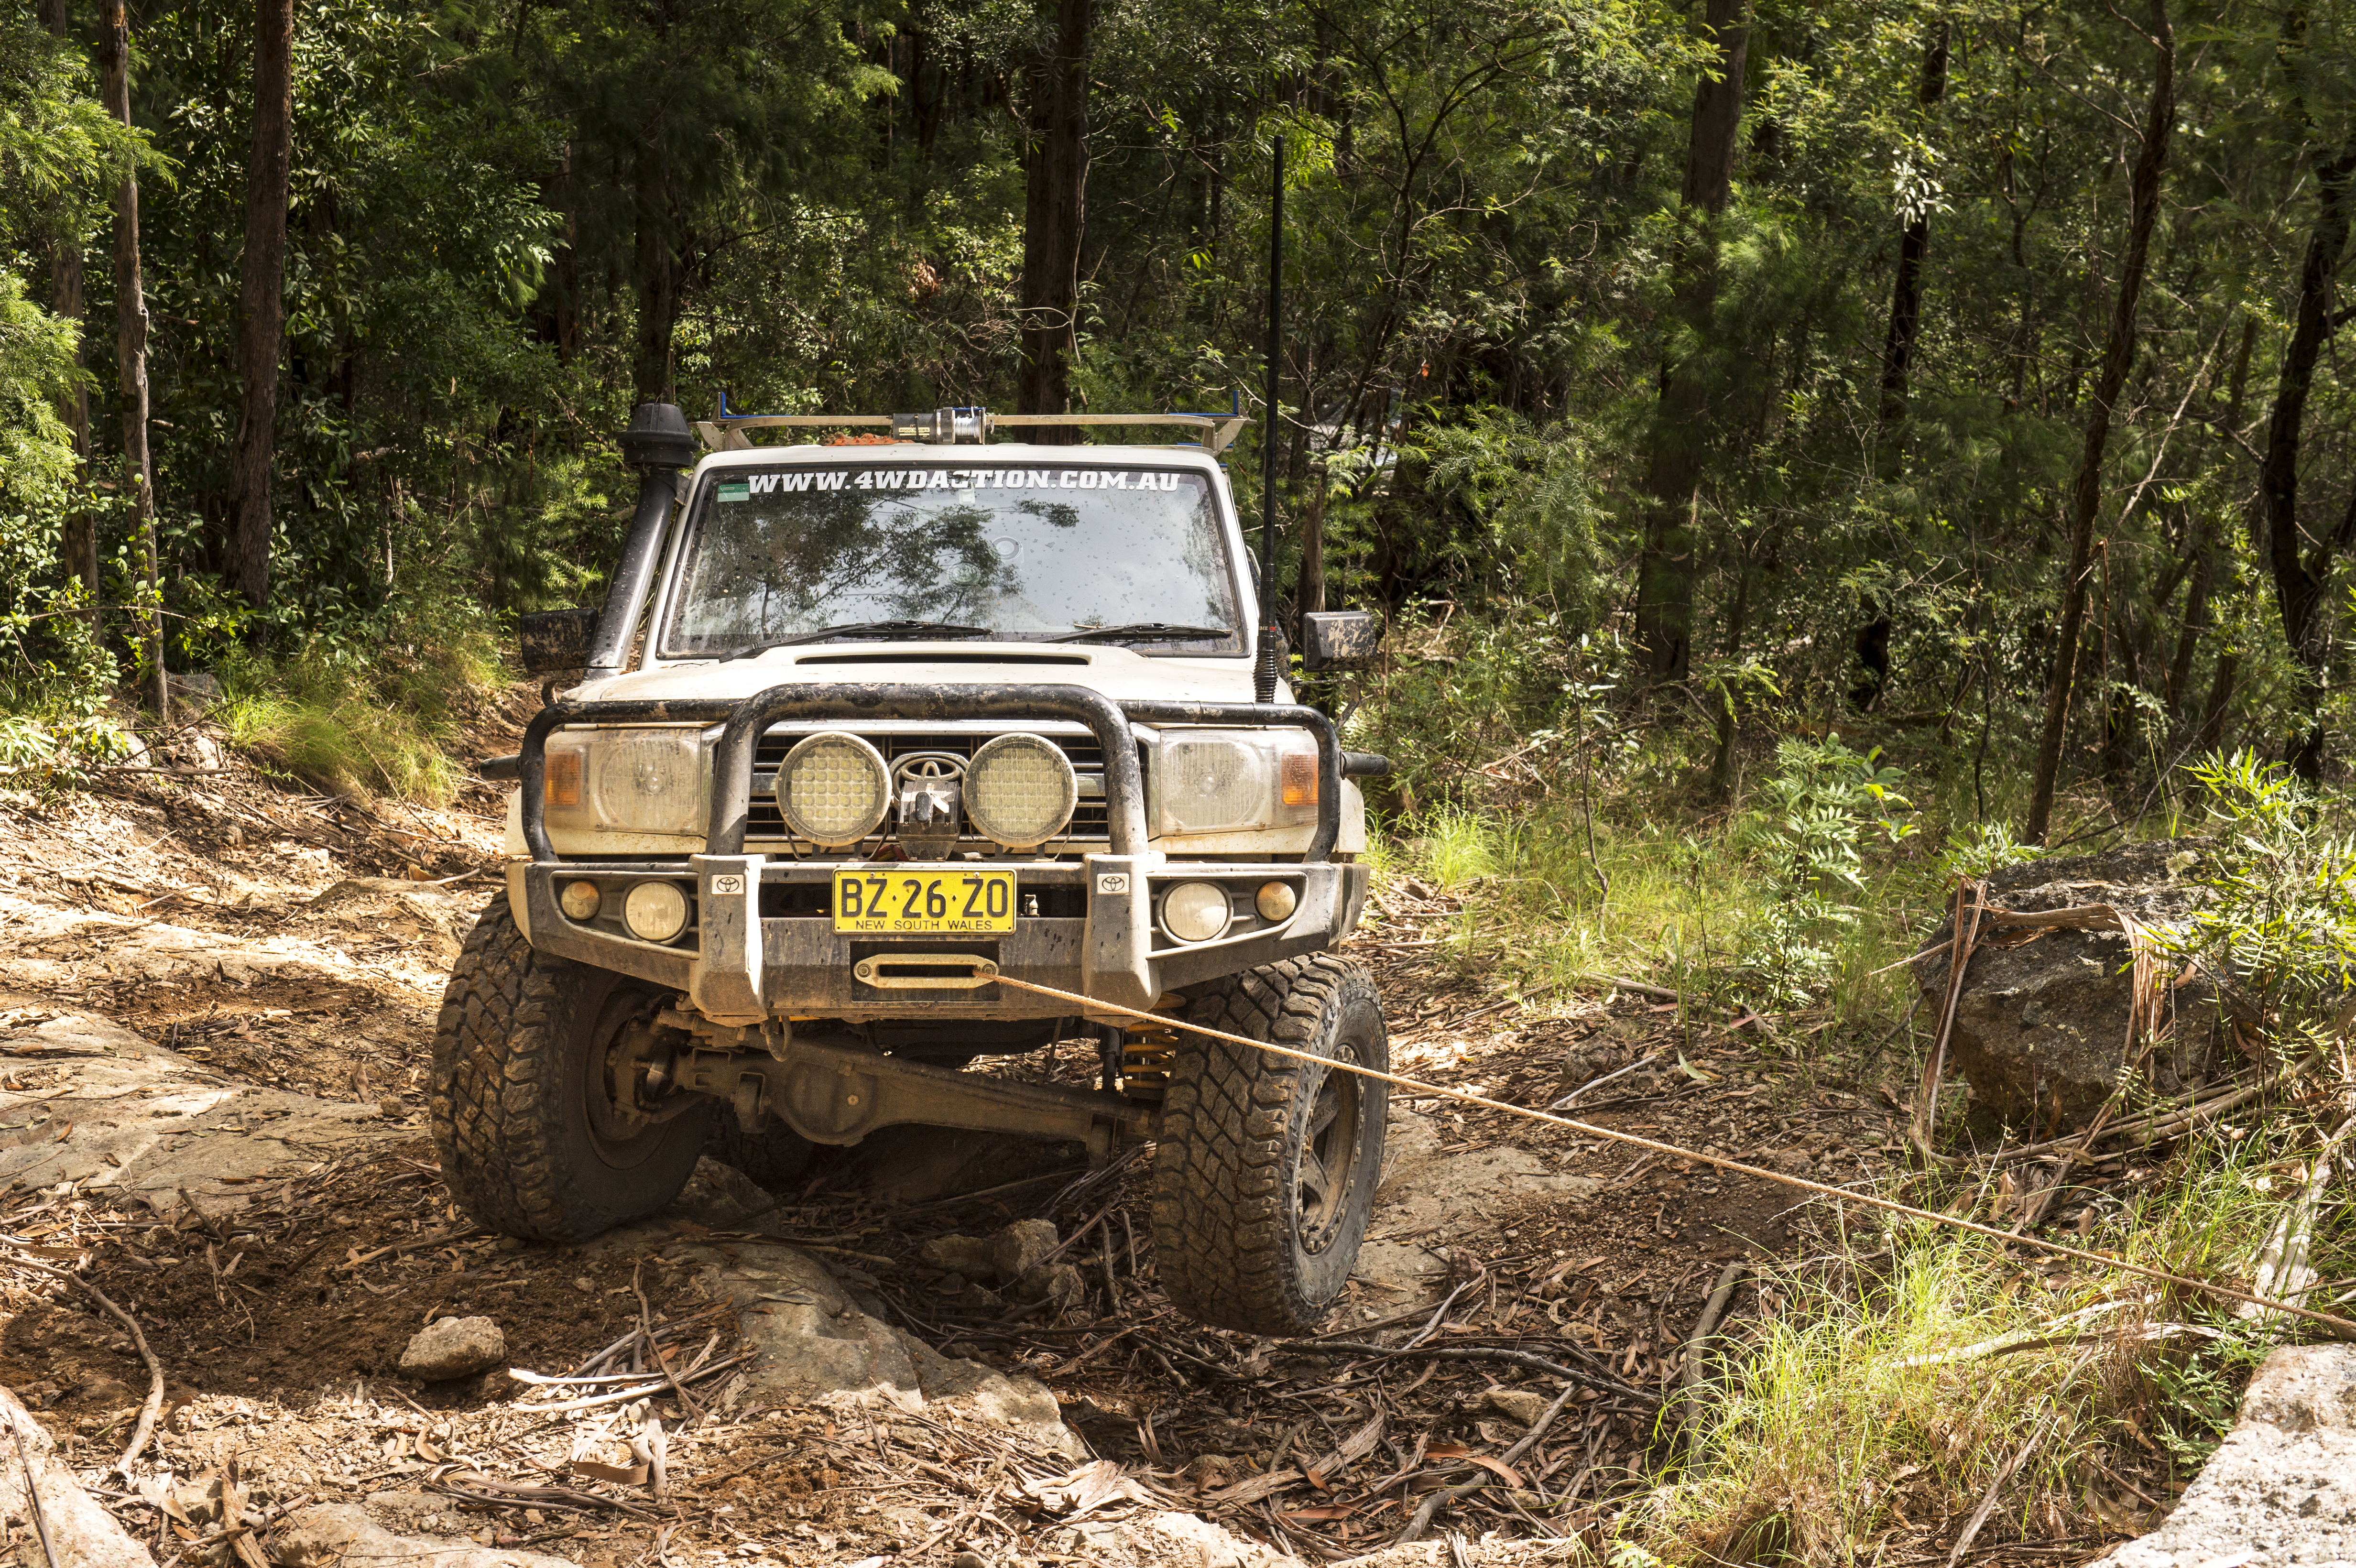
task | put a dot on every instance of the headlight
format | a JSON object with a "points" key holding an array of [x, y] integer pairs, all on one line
{"points": [[1019, 790], [629, 781], [832, 789], [1219, 780]]}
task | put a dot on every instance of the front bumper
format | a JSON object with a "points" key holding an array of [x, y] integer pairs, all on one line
{"points": [[736, 963]]}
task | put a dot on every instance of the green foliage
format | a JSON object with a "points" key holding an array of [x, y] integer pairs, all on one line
{"points": [[1848, 1411], [1811, 823], [368, 704], [2281, 930]]}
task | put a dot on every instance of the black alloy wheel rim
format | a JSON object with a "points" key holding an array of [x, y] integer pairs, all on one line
{"points": [[618, 1129], [1328, 1167]]}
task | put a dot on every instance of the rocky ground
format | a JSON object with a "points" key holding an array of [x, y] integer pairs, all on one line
{"points": [[216, 999]]}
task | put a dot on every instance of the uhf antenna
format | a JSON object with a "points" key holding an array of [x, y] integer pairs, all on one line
{"points": [[1264, 676]]}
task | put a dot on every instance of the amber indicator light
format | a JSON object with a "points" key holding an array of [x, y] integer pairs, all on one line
{"points": [[1301, 778], [564, 779]]}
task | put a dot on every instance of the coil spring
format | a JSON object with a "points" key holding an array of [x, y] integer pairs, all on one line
{"points": [[1146, 1055]]}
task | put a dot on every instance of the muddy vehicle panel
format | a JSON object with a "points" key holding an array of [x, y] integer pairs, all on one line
{"points": [[867, 735]]}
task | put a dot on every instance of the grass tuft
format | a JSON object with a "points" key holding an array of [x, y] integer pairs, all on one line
{"points": [[366, 711]]}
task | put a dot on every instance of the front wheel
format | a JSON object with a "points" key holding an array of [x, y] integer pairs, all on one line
{"points": [[1264, 1172], [535, 1112]]}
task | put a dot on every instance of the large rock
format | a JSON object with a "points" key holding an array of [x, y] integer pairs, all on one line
{"points": [[1006, 1255], [83, 1534], [2281, 1489], [815, 1341], [2041, 1029], [454, 1348]]}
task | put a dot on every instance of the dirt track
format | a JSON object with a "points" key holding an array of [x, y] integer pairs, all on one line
{"points": [[254, 956]]}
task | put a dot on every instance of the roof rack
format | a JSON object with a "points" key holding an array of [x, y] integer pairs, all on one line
{"points": [[955, 426]]}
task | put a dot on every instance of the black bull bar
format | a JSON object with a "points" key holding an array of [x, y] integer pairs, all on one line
{"points": [[745, 720]]}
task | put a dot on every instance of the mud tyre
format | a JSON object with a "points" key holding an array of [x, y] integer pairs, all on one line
{"points": [[534, 1141], [1264, 1172]]}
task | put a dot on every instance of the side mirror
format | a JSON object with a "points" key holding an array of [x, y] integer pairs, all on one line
{"points": [[556, 639], [1339, 639]]}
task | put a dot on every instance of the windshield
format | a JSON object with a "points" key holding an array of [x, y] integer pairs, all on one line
{"points": [[1023, 554]]}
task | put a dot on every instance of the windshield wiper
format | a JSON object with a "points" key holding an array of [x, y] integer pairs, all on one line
{"points": [[1145, 632], [909, 629]]}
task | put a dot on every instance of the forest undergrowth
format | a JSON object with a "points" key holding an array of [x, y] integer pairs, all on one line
{"points": [[1899, 1373]]}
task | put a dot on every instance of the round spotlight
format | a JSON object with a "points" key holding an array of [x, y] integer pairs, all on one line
{"points": [[579, 900], [833, 789], [1277, 901], [654, 911], [1195, 912], [1019, 790]]}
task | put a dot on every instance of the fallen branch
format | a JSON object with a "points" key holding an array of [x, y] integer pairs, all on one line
{"points": [[1431, 1505], [654, 1354], [33, 1495], [1690, 1377], [624, 1396], [145, 1426], [2283, 1268], [1345, 1349]]}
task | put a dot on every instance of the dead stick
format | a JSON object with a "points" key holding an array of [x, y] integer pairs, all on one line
{"points": [[1690, 1376], [2342, 1327], [1431, 1505], [33, 1494], [145, 1428], [1465, 1353], [654, 1354]]}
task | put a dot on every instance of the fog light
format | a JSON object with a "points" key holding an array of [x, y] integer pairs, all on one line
{"points": [[1194, 911], [579, 900], [654, 911], [1277, 901]]}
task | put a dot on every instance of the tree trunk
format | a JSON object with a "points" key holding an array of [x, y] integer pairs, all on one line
{"points": [[1054, 213], [1312, 545], [78, 543], [131, 340], [2118, 356], [1679, 440], [658, 263], [2300, 578], [262, 307], [2206, 567], [1914, 245]]}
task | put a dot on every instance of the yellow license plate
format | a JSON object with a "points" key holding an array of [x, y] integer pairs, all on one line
{"points": [[923, 903]]}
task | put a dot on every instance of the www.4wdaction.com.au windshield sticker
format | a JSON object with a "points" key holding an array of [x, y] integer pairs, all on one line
{"points": [[756, 484]]}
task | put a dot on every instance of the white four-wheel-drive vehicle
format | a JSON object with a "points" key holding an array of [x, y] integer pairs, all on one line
{"points": [[869, 731]]}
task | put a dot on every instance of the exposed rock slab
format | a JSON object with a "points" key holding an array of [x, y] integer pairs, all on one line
{"points": [[107, 1110], [2041, 1028], [2281, 1489], [83, 1534], [1177, 1539], [1428, 1196], [816, 1340], [327, 1534]]}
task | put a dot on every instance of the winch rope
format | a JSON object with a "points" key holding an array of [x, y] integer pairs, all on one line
{"points": [[2341, 1327]]}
